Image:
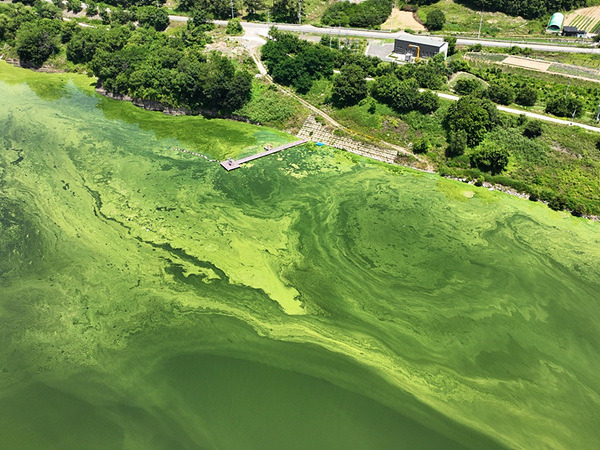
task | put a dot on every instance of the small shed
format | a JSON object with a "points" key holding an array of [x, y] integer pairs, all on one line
{"points": [[556, 22], [573, 31], [427, 46]]}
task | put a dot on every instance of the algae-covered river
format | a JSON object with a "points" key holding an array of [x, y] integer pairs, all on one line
{"points": [[309, 300]]}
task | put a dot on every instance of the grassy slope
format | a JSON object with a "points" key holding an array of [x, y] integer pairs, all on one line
{"points": [[462, 19]]}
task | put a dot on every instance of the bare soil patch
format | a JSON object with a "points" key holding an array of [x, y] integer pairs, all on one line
{"points": [[403, 20]]}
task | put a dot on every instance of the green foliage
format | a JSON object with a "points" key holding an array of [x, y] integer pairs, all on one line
{"points": [[435, 20], [92, 9], [48, 11], [427, 102], [253, 6], [349, 87], [526, 95], [533, 129], [451, 40], [561, 106], [474, 115], [368, 14], [530, 9], [293, 62], [429, 75], [268, 107], [234, 27], [285, 11], [422, 146], [457, 143], [468, 85], [490, 157], [151, 16], [501, 92], [74, 5], [37, 41]]}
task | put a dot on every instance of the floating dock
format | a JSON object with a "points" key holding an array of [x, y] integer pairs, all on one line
{"points": [[232, 164]]}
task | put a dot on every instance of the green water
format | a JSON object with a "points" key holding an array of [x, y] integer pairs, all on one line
{"points": [[149, 299]]}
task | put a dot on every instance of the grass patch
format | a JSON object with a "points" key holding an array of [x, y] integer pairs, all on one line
{"points": [[268, 106], [462, 19]]}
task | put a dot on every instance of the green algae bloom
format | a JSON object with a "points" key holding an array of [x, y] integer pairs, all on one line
{"points": [[150, 299]]}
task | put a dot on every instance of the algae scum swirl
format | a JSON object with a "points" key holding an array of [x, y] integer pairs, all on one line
{"points": [[150, 299]]}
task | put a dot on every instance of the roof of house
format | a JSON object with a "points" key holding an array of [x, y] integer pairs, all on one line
{"points": [[572, 30], [423, 40]]}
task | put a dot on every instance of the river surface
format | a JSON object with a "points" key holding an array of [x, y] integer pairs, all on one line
{"points": [[309, 300]]}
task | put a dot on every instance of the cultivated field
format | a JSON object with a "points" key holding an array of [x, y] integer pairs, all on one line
{"points": [[587, 19]]}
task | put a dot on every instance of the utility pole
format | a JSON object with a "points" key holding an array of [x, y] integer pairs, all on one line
{"points": [[300, 12], [232, 9], [339, 35], [567, 91], [480, 22], [598, 114], [269, 18]]}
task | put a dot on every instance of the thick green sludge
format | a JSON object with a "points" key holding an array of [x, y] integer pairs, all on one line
{"points": [[149, 299]]}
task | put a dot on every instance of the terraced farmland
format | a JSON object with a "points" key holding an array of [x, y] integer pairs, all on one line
{"points": [[587, 19]]}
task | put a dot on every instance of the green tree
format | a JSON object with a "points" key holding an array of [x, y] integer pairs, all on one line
{"points": [[490, 157], [457, 143], [451, 40], [526, 95], [435, 20], [475, 115], [427, 102], [569, 106], [533, 129], [349, 87], [37, 41], [466, 86], [82, 46], [74, 5], [285, 11], [151, 16], [234, 27], [501, 92], [253, 6]]}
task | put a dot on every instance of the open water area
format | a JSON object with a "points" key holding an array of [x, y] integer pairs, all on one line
{"points": [[311, 299]]}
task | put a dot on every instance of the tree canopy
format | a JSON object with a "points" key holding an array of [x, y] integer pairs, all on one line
{"points": [[368, 14], [474, 115]]}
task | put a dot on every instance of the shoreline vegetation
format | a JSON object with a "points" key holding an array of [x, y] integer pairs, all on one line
{"points": [[181, 72]]}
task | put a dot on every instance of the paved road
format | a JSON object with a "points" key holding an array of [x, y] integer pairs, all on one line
{"points": [[263, 29]]}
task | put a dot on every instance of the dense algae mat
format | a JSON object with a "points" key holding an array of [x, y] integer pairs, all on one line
{"points": [[149, 299]]}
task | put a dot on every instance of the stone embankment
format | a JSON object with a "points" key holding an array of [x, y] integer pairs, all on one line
{"points": [[152, 105], [317, 132]]}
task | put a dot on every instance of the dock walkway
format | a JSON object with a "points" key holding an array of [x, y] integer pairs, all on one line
{"points": [[232, 164]]}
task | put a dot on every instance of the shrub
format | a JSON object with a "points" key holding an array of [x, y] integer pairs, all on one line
{"points": [[37, 41], [234, 27], [533, 129], [457, 143], [490, 157], [501, 92], [466, 86], [474, 115], [422, 146], [565, 106], [427, 102], [435, 20], [349, 87], [526, 95]]}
